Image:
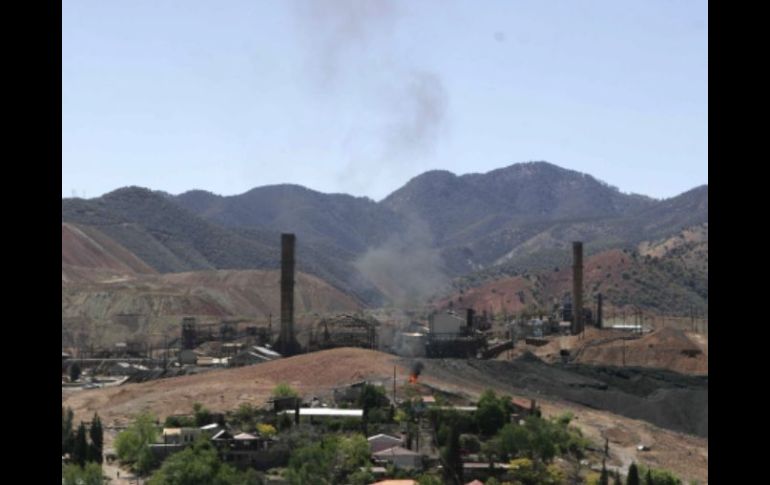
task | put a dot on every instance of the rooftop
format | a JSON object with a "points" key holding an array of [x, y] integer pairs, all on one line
{"points": [[396, 450], [327, 412]]}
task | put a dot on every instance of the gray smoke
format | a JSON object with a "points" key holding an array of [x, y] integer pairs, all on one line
{"points": [[339, 31], [403, 113], [407, 268]]}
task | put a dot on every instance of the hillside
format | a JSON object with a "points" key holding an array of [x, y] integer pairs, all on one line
{"points": [[89, 248], [667, 277], [521, 218], [160, 301], [352, 224], [587, 393], [170, 239]]}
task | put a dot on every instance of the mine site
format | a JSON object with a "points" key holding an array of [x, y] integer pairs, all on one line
{"points": [[379, 242]]}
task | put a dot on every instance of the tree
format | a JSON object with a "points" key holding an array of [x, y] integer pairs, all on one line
{"points": [[132, 444], [648, 478], [201, 415], [618, 479], [429, 479], [266, 430], [95, 449], [491, 414], [604, 478], [80, 446], [452, 459], [73, 474], [66, 430], [74, 372], [200, 464], [633, 475], [284, 390], [333, 459]]}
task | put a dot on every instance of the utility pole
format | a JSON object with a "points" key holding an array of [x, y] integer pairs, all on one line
{"points": [[394, 385]]}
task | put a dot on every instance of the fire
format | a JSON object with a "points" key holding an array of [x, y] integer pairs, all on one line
{"points": [[412, 378]]}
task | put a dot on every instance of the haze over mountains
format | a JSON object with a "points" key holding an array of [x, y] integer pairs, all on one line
{"points": [[437, 227]]}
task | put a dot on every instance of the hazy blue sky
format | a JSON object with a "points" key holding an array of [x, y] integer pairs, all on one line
{"points": [[359, 96]]}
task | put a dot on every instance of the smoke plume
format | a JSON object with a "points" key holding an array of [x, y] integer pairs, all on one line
{"points": [[406, 267], [402, 108]]}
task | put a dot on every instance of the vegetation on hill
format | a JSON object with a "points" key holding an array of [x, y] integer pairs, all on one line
{"points": [[504, 222]]}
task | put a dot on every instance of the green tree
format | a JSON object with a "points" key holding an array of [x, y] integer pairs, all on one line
{"points": [[648, 480], [452, 459], [331, 460], [200, 464], [633, 475], [604, 478], [618, 479], [132, 444], [66, 430], [514, 440], [74, 372], [80, 447], [429, 479], [284, 390], [73, 474], [96, 447], [201, 415], [491, 414]]}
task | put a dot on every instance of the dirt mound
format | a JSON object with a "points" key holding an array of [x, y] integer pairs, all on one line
{"points": [[163, 300], [83, 246], [667, 348], [223, 390]]}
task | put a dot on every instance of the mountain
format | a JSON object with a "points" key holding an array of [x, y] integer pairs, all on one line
{"points": [[667, 276], [463, 208], [349, 223], [436, 227], [170, 238]]}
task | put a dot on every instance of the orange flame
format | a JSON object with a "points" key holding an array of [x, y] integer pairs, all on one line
{"points": [[412, 378]]}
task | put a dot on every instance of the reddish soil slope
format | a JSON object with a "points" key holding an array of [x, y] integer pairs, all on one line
{"points": [[83, 246]]}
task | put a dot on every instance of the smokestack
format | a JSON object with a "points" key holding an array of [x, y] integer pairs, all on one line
{"points": [[599, 311], [287, 344], [469, 318], [577, 287]]}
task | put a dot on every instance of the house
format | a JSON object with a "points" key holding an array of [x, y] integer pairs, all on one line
{"points": [[395, 482], [211, 429], [349, 393], [399, 457], [284, 403], [244, 450], [382, 442], [315, 414], [523, 407], [180, 436]]}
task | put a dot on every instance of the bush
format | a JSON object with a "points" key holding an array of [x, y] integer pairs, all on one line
{"points": [[91, 474], [200, 464], [179, 422], [284, 390], [492, 413], [470, 443], [132, 445], [328, 461]]}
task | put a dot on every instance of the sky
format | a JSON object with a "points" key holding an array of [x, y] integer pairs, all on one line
{"points": [[359, 96]]}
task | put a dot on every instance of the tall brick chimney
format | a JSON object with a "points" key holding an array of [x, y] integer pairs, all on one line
{"points": [[287, 343], [577, 287]]}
